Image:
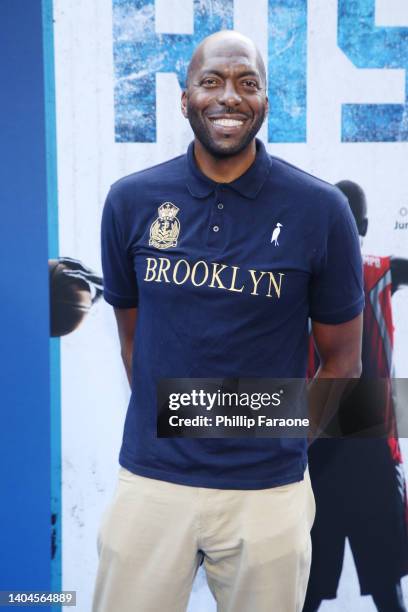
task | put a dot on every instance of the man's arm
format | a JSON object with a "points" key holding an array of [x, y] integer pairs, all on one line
{"points": [[399, 273], [126, 322], [339, 348]]}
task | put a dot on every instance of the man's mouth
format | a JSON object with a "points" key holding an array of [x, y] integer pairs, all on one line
{"points": [[227, 125], [227, 122]]}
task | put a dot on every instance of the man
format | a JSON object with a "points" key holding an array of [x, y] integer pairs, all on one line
{"points": [[200, 289], [359, 483]]}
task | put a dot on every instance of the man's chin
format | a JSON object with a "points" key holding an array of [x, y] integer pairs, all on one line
{"points": [[225, 149]]}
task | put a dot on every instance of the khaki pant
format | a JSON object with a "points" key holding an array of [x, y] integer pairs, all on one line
{"points": [[255, 545]]}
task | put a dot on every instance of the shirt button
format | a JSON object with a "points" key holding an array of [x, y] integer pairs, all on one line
{"points": [[216, 228], [220, 206]]}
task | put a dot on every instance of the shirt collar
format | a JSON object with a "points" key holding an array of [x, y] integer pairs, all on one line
{"points": [[248, 184]]}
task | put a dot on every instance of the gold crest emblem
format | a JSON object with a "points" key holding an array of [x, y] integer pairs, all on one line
{"points": [[165, 230]]}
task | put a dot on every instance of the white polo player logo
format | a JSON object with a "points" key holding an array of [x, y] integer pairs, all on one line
{"points": [[275, 234]]}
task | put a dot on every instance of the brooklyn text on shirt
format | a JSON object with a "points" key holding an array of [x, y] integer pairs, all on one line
{"points": [[215, 275]]}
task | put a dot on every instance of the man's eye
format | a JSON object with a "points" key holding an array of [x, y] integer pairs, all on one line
{"points": [[252, 84], [209, 81]]}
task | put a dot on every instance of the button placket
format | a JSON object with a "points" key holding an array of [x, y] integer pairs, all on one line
{"points": [[215, 233]]}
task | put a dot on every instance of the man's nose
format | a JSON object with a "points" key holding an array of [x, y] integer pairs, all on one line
{"points": [[229, 95]]}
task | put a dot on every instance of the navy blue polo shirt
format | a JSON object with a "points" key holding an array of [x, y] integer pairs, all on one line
{"points": [[224, 276]]}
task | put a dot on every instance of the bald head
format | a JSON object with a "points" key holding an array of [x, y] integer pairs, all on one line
{"points": [[226, 43], [226, 82], [358, 203]]}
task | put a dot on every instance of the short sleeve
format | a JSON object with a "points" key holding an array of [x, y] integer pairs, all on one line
{"points": [[119, 279], [337, 286]]}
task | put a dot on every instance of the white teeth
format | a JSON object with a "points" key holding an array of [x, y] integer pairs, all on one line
{"points": [[227, 122]]}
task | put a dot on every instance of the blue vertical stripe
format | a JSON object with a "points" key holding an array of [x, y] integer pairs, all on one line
{"points": [[25, 533], [287, 70], [53, 251]]}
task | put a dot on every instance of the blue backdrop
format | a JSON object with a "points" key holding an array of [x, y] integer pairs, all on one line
{"points": [[25, 529]]}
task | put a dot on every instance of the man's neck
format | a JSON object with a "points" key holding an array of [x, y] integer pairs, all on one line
{"points": [[225, 169]]}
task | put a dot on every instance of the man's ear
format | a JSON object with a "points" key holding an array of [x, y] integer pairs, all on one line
{"points": [[184, 103], [266, 108]]}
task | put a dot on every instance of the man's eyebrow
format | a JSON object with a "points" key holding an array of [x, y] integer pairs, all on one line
{"points": [[207, 71], [250, 73]]}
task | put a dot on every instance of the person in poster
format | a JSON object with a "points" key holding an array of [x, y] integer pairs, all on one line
{"points": [[359, 481], [213, 262], [74, 289]]}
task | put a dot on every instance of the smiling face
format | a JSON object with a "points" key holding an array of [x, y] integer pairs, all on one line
{"points": [[225, 99]]}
